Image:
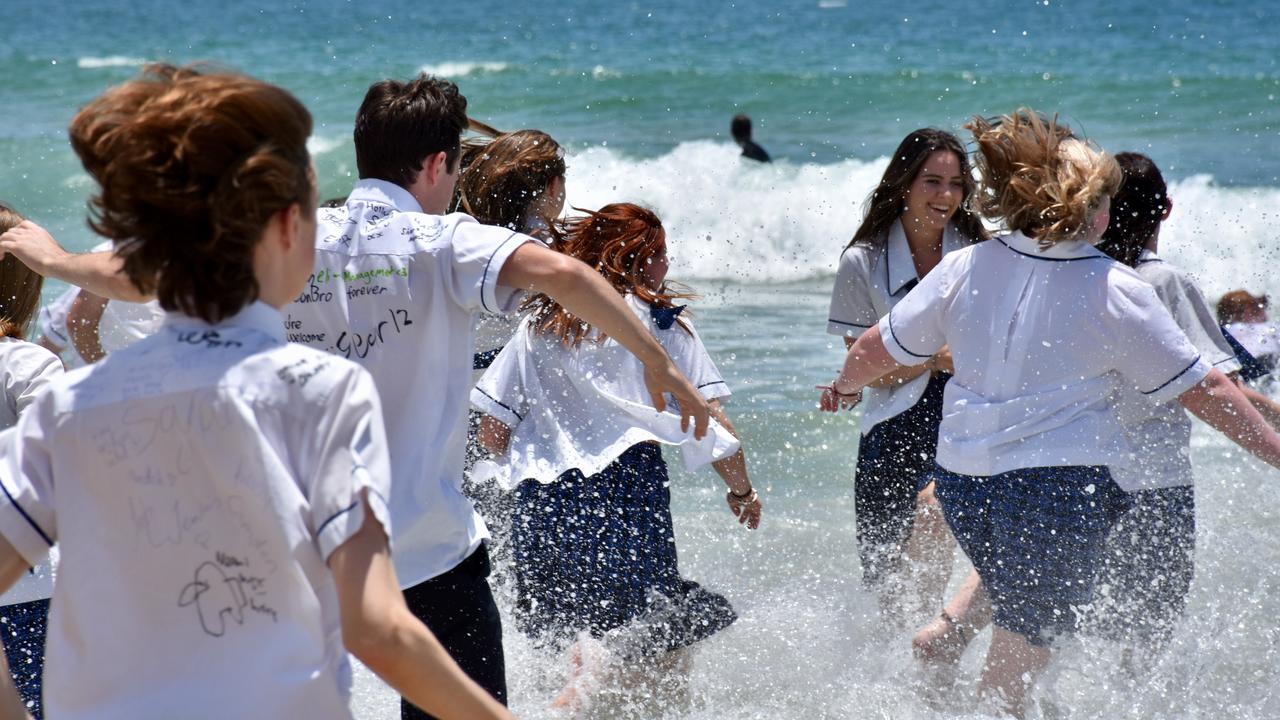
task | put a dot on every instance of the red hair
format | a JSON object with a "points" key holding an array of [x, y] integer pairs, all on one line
{"points": [[618, 240]]}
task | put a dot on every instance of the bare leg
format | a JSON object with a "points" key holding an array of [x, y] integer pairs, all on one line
{"points": [[1013, 664], [929, 553], [968, 613]]}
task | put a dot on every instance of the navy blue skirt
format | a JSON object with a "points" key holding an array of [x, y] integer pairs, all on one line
{"points": [[598, 553]]}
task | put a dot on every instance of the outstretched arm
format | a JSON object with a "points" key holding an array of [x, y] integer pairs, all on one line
{"points": [[1217, 401], [582, 292], [744, 501], [99, 273], [378, 628], [867, 360]]}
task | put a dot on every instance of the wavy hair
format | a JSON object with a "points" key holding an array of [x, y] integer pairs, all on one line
{"points": [[617, 240], [1037, 177], [19, 285], [503, 177], [887, 201], [191, 166]]}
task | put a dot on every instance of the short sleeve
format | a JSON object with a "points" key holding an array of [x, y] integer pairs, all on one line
{"points": [[28, 519], [691, 357], [914, 330], [1196, 319], [477, 256], [27, 372], [351, 457], [501, 391], [1149, 347], [852, 312]]}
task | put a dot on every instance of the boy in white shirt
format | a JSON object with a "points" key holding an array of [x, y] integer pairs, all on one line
{"points": [[219, 495], [395, 288], [1038, 322]]}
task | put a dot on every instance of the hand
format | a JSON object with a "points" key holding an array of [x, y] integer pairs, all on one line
{"points": [[941, 362], [834, 401], [667, 379], [33, 245], [746, 509]]}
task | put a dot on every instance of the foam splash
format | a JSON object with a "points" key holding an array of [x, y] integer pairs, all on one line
{"points": [[731, 219], [93, 63], [457, 69], [320, 144]]}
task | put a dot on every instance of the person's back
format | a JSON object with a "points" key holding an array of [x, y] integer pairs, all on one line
{"points": [[194, 491]]}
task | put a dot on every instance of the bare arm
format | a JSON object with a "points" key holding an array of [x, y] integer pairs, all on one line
{"points": [[83, 319], [743, 500], [941, 362], [867, 360], [100, 273], [1217, 401], [12, 566], [581, 291], [378, 628], [493, 435], [1269, 408]]}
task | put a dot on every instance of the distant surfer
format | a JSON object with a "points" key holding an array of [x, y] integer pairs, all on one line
{"points": [[741, 130]]}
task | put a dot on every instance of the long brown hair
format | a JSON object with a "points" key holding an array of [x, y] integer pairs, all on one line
{"points": [[1038, 178], [190, 167], [618, 240], [19, 285], [885, 204], [502, 178]]}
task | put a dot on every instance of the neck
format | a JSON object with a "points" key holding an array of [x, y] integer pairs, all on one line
{"points": [[922, 239], [1154, 243]]}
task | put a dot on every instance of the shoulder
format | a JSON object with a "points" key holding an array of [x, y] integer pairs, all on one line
{"points": [[19, 357], [299, 376], [859, 258]]}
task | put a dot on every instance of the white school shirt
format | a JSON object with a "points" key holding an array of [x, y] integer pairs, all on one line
{"points": [[583, 407], [52, 319], [1035, 335], [26, 369], [1262, 340], [125, 323], [1159, 435], [395, 290], [871, 279], [196, 484]]}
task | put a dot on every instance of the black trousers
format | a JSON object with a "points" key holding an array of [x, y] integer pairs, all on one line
{"points": [[458, 608]]}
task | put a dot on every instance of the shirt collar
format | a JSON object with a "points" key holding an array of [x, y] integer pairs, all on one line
{"points": [[901, 267], [382, 192], [1061, 251], [255, 316]]}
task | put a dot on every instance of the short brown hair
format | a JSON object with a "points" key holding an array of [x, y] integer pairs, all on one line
{"points": [[19, 285], [400, 124], [1037, 177], [1235, 305], [191, 166], [503, 177]]}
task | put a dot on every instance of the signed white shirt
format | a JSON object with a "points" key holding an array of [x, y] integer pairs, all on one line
{"points": [[580, 408], [1037, 337], [26, 370], [196, 482], [395, 290]]}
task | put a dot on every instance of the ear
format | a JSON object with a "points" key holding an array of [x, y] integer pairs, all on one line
{"points": [[290, 220], [435, 167], [1168, 208]]}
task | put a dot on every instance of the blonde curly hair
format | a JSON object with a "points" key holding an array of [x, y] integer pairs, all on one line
{"points": [[1038, 178]]}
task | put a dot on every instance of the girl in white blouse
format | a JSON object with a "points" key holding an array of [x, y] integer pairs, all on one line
{"points": [[1039, 323], [566, 412], [916, 215], [217, 493]]}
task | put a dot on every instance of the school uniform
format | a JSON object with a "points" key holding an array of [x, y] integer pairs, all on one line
{"points": [[197, 483], [26, 370], [1028, 424], [1149, 559], [899, 425], [395, 290], [52, 320], [592, 538]]}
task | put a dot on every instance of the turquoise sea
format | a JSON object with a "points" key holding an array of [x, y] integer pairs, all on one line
{"points": [[641, 94]]}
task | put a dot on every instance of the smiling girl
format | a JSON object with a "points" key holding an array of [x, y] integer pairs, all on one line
{"points": [[915, 216]]}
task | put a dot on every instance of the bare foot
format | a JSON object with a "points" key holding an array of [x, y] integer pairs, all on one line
{"points": [[942, 643]]}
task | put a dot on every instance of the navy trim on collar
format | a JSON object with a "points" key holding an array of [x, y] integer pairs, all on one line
{"points": [[1099, 256]]}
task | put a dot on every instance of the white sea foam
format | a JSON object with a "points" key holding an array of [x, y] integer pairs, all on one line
{"points": [[320, 144], [457, 69], [91, 63], [736, 220]]}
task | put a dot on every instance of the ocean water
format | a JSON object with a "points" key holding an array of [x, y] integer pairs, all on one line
{"points": [[641, 93]]}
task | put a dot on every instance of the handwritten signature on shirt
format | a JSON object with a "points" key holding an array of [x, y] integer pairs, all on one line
{"points": [[221, 591]]}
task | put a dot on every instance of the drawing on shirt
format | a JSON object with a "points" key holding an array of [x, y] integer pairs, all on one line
{"points": [[360, 344], [295, 333], [312, 293], [221, 590], [138, 426]]}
